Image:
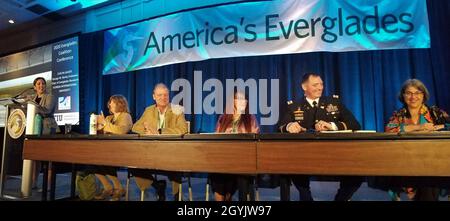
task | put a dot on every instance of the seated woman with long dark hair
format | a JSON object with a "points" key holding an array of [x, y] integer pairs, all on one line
{"points": [[237, 120]]}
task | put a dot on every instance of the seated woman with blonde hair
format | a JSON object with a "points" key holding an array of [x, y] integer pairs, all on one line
{"points": [[118, 122]]}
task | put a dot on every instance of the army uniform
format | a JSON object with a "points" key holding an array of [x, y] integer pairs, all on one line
{"points": [[328, 109]]}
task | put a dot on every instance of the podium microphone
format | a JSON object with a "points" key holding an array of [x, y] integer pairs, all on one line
{"points": [[22, 92]]}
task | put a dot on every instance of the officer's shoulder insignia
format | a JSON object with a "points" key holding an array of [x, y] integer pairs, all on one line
{"points": [[335, 96], [290, 102]]}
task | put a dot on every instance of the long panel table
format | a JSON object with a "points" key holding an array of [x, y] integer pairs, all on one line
{"points": [[168, 153], [364, 154], [355, 154]]}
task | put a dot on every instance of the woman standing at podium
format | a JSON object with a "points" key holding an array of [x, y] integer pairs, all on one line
{"points": [[119, 122], [46, 108], [416, 116], [236, 120]]}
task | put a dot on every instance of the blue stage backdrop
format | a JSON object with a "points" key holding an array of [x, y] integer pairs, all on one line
{"points": [[368, 82]]}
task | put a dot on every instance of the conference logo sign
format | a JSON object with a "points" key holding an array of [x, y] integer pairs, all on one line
{"points": [[64, 103]]}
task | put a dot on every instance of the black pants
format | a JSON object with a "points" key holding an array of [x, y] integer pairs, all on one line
{"points": [[229, 183], [223, 183], [245, 185], [347, 187], [427, 194]]}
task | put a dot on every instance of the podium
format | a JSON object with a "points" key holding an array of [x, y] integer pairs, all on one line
{"points": [[19, 121]]}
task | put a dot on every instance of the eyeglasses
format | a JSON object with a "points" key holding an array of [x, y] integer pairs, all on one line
{"points": [[410, 94]]}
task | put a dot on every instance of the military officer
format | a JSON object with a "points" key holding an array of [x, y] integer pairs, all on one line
{"points": [[317, 113]]}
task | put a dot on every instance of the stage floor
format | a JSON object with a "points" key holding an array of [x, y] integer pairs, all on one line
{"points": [[322, 191]]}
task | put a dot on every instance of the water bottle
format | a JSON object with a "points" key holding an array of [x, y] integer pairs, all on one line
{"points": [[37, 127], [93, 124]]}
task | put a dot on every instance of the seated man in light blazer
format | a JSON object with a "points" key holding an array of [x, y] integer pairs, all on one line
{"points": [[161, 118]]}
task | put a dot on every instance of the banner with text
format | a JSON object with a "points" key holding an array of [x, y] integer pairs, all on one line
{"points": [[267, 28]]}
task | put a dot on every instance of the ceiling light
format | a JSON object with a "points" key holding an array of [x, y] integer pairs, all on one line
{"points": [[11, 21]]}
